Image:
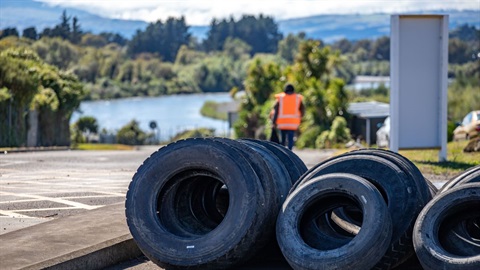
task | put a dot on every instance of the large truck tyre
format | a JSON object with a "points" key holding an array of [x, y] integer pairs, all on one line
{"points": [[471, 175], [435, 222], [400, 192], [295, 166], [173, 211], [310, 201]]}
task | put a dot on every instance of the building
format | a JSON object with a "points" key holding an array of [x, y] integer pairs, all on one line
{"points": [[366, 118]]}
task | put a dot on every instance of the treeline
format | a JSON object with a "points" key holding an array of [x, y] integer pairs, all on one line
{"points": [[68, 65]]}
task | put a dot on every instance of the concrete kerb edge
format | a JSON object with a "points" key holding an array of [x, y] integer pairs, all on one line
{"points": [[98, 256]]}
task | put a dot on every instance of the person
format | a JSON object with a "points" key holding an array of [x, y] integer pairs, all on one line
{"points": [[287, 114]]}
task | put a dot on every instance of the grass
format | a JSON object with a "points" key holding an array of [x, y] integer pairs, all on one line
{"points": [[457, 160], [101, 146], [427, 159], [211, 109]]}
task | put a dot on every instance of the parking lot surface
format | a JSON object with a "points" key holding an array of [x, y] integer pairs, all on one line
{"points": [[39, 186]]}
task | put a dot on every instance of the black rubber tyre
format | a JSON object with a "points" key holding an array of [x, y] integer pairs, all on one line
{"points": [[435, 221], [278, 171], [471, 175], [172, 207], [462, 237], [295, 166], [399, 189], [424, 186], [319, 196]]}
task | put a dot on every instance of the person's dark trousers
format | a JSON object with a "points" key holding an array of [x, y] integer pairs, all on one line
{"points": [[287, 135]]}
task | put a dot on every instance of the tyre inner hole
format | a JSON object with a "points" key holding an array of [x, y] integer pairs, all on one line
{"points": [[459, 219], [323, 228], [193, 203]]}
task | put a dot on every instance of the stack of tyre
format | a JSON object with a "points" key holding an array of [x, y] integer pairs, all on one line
{"points": [[217, 203], [353, 211], [209, 203], [447, 231]]}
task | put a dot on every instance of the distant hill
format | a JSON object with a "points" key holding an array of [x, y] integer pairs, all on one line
{"points": [[26, 13]]}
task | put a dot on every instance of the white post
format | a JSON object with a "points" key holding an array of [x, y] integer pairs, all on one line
{"points": [[368, 132], [442, 156], [394, 82]]}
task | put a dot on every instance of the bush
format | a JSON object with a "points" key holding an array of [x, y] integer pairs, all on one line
{"points": [[307, 139], [131, 134], [339, 133]]}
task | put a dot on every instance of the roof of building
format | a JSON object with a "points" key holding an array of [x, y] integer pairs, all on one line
{"points": [[370, 109]]}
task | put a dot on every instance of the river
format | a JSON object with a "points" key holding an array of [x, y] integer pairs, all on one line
{"points": [[172, 114]]}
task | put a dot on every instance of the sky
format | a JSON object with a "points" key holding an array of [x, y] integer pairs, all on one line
{"points": [[201, 12]]}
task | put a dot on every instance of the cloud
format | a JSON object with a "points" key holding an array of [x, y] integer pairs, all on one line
{"points": [[201, 12]]}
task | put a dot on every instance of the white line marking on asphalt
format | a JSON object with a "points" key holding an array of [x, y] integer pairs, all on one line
{"points": [[57, 208], [75, 204], [12, 214]]}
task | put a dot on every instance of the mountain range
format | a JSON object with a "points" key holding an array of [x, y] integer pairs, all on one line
{"points": [[27, 13]]}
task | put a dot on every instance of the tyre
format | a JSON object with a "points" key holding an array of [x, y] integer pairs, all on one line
{"points": [[303, 207], [276, 168], [295, 166], [424, 186], [179, 215], [404, 196], [462, 236], [436, 220], [471, 175]]}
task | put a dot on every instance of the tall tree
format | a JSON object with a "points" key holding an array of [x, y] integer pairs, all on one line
{"points": [[30, 33], [259, 33], [162, 38], [12, 31], [76, 34]]}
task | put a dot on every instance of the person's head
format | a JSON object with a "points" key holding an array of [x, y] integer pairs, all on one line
{"points": [[289, 88]]}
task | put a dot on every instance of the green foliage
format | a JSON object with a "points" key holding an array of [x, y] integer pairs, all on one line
{"points": [[338, 133], [57, 52], [262, 81], [194, 133], [288, 47], [308, 137], [84, 126], [131, 134], [33, 84], [161, 38], [65, 30], [464, 91], [211, 109], [87, 124], [261, 33]]}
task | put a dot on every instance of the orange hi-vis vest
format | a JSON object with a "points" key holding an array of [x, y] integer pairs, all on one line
{"points": [[289, 114]]}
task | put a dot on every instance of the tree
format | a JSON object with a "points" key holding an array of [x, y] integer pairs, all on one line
{"points": [[381, 49], [114, 38], [260, 33], [84, 125], [34, 85], [76, 33], [288, 47], [161, 38], [92, 40], [263, 79], [30, 33], [131, 134], [9, 32]]}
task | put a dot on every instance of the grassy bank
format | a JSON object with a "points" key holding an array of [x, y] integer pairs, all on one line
{"points": [[101, 146], [213, 110]]}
